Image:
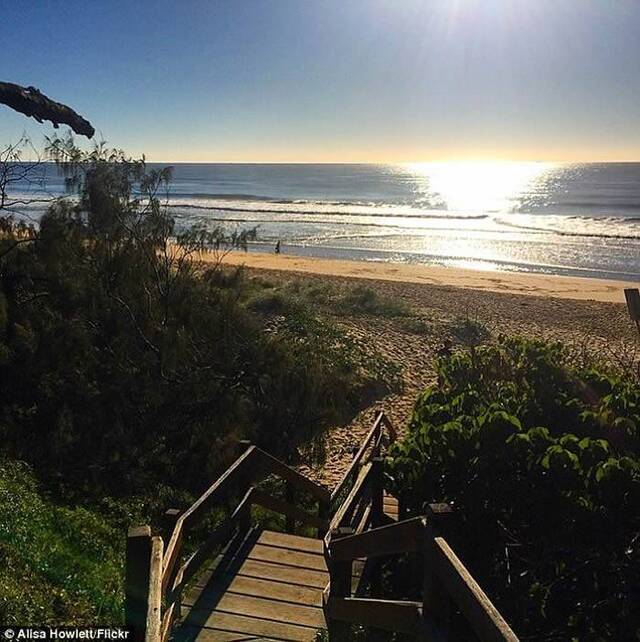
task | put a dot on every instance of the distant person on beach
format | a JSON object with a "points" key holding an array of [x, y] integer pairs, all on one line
{"points": [[278, 247]]}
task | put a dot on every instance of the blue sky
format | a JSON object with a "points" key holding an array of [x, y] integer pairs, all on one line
{"points": [[343, 80]]}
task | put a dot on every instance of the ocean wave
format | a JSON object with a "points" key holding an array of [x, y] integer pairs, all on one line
{"points": [[369, 211], [558, 231]]}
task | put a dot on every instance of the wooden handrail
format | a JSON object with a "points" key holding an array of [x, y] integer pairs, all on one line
{"points": [[476, 607], [239, 467], [245, 467], [390, 615], [274, 466], [351, 500], [219, 537], [401, 537], [165, 578], [355, 463], [254, 464], [445, 578]]}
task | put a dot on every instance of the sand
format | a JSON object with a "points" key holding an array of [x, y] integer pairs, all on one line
{"points": [[586, 314], [516, 283]]}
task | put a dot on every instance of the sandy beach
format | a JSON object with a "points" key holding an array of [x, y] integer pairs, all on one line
{"points": [[586, 314], [582, 289]]}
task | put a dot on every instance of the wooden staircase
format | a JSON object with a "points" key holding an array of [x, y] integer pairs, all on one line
{"points": [[245, 582]]}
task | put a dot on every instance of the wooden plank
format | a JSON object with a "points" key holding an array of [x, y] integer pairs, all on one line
{"points": [[275, 467], [268, 571], [349, 504], [259, 627], [476, 607], [390, 615], [154, 614], [401, 537], [299, 576], [364, 520], [255, 587], [297, 559], [292, 542], [291, 512], [264, 609]]}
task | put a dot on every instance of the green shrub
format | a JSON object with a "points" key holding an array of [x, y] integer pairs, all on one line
{"points": [[60, 565], [541, 460]]}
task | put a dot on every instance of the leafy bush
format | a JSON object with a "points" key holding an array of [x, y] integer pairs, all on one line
{"points": [[541, 459]]}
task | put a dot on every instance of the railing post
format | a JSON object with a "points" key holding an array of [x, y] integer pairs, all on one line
{"points": [[244, 519], [377, 491], [340, 573], [137, 574], [377, 518], [290, 523], [436, 604], [153, 631], [323, 513], [169, 520], [375, 452]]}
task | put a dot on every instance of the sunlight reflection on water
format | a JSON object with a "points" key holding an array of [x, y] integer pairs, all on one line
{"points": [[479, 186]]}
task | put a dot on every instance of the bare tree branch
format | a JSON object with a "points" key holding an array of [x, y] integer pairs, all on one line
{"points": [[31, 102]]}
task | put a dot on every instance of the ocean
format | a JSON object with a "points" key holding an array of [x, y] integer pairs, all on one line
{"points": [[579, 219]]}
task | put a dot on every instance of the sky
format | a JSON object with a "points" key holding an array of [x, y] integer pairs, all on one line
{"points": [[335, 80]]}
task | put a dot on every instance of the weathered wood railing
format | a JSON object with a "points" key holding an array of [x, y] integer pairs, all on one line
{"points": [[353, 525], [370, 448], [157, 574], [445, 581]]}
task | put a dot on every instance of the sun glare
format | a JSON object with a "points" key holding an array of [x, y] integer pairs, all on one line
{"points": [[479, 186]]}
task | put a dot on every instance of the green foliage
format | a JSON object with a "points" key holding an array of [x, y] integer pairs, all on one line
{"points": [[124, 364], [541, 459], [60, 565]]}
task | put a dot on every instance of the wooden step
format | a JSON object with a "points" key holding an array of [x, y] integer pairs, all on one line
{"points": [[270, 588]]}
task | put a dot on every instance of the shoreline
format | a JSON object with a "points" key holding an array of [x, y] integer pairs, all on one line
{"points": [[561, 287]]}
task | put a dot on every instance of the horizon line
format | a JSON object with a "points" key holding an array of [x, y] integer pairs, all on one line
{"points": [[410, 162]]}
